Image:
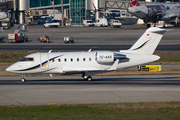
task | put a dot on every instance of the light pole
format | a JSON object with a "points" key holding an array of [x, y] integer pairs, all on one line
{"points": [[62, 11], [52, 2]]}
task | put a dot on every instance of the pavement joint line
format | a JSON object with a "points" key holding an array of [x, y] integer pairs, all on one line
{"points": [[11, 99], [170, 94], [118, 95]]}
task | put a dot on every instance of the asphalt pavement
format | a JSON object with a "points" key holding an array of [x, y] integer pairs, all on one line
{"points": [[102, 89]]}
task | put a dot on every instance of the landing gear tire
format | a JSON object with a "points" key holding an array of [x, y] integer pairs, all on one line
{"points": [[89, 78], [23, 80]]}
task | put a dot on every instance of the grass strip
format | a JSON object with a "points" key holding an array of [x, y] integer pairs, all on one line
{"points": [[116, 111]]}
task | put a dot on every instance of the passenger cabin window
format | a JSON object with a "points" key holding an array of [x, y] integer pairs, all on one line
{"points": [[89, 59], [59, 60], [84, 59], [65, 60], [27, 59], [71, 60], [78, 59]]}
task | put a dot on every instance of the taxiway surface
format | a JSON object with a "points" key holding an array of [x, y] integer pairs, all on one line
{"points": [[96, 38], [103, 89]]}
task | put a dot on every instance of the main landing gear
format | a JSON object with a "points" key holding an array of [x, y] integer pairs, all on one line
{"points": [[23, 79], [86, 77]]}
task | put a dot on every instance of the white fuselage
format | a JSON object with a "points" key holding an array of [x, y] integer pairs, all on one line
{"points": [[156, 12], [77, 62], [3, 15]]}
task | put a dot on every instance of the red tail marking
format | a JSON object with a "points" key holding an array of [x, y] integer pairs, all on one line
{"points": [[94, 7], [134, 3]]}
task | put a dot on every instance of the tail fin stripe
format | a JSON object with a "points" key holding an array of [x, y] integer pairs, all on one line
{"points": [[144, 44]]}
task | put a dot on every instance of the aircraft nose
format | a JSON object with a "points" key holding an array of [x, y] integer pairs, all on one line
{"points": [[133, 9], [5, 15], [8, 69], [130, 9]]}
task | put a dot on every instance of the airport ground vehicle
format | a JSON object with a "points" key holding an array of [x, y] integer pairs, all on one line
{"points": [[68, 40], [17, 35], [88, 23], [43, 38], [115, 23], [101, 22], [52, 23], [43, 20], [57, 16], [1, 39]]}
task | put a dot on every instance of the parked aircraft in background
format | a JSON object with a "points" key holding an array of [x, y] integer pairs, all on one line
{"points": [[3, 15], [91, 62], [154, 13], [111, 13]]}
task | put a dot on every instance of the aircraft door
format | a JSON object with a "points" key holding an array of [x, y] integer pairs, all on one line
{"points": [[44, 60]]}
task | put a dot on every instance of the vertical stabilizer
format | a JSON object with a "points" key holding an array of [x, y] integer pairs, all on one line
{"points": [[148, 42], [134, 3]]}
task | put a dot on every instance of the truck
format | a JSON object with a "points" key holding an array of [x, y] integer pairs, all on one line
{"points": [[52, 23], [57, 16], [115, 23], [5, 23], [101, 22], [17, 35]]}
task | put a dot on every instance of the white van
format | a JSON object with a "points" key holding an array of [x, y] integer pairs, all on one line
{"points": [[101, 22]]}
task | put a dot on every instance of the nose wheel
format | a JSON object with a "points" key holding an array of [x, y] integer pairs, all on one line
{"points": [[23, 79]]}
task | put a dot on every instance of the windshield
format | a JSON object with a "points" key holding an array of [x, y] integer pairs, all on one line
{"points": [[89, 22], [27, 59]]}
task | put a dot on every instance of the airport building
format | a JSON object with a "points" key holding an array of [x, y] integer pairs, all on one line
{"points": [[75, 11]]}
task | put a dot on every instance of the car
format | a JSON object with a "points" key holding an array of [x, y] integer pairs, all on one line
{"points": [[52, 23], [88, 23], [115, 23]]}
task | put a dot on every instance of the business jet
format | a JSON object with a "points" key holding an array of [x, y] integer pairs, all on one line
{"points": [[91, 62], [154, 13]]}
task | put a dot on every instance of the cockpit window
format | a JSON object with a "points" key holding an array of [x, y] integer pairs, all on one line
{"points": [[27, 59]]}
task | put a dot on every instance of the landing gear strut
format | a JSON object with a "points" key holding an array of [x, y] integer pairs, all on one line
{"points": [[176, 22], [23, 79]]}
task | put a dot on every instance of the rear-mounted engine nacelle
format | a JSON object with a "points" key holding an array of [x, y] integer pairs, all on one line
{"points": [[108, 57]]}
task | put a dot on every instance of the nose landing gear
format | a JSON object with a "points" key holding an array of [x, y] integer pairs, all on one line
{"points": [[23, 79]]}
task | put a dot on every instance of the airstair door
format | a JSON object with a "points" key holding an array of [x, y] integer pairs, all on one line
{"points": [[44, 60]]}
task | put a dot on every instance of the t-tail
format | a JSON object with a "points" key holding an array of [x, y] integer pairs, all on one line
{"points": [[148, 42], [134, 3]]}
